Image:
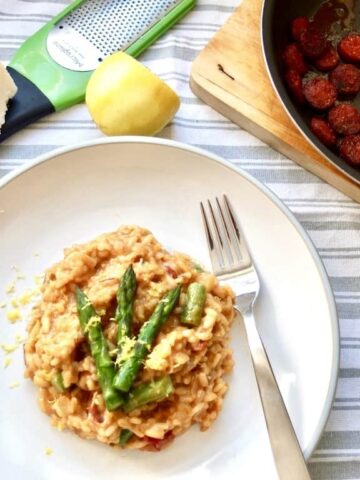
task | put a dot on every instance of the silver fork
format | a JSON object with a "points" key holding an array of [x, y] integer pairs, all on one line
{"points": [[232, 263]]}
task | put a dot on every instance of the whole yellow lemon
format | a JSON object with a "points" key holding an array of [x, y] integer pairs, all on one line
{"points": [[125, 98]]}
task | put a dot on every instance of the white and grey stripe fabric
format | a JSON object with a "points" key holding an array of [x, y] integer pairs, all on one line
{"points": [[331, 219]]}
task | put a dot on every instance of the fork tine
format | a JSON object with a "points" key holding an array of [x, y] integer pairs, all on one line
{"points": [[213, 248], [218, 235], [238, 236], [231, 253]]}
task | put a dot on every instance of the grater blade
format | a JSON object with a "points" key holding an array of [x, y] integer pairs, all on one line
{"points": [[98, 28]]}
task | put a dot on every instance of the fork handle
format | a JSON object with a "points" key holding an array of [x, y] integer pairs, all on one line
{"points": [[286, 450]]}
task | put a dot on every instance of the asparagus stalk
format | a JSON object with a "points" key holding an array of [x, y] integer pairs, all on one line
{"points": [[91, 327], [125, 436], [154, 391], [58, 382], [194, 306], [198, 267], [127, 373], [124, 310]]}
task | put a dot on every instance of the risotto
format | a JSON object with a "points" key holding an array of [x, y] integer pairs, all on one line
{"points": [[188, 360]]}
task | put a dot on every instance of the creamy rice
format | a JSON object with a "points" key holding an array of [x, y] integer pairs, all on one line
{"points": [[196, 358]]}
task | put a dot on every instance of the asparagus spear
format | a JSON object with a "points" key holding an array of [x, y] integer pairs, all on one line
{"points": [[58, 382], [194, 307], [91, 327], [198, 267], [154, 391], [124, 310], [125, 436], [127, 373]]}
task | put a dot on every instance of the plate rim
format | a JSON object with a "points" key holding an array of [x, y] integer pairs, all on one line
{"points": [[309, 449]]}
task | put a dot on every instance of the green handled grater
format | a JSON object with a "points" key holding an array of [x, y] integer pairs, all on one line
{"points": [[51, 69]]}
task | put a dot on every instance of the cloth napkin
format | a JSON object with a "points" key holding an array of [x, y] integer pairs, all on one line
{"points": [[331, 219]]}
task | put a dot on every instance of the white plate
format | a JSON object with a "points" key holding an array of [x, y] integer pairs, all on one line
{"points": [[75, 194]]}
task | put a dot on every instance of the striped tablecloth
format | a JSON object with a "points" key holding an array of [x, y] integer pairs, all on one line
{"points": [[331, 219]]}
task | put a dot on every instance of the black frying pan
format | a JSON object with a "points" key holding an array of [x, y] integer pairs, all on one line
{"points": [[276, 20]]}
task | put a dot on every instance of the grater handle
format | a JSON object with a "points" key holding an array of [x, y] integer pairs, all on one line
{"points": [[28, 105]]}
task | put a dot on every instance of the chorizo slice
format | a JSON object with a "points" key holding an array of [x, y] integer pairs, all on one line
{"points": [[345, 119], [346, 78], [294, 83], [298, 26], [349, 48], [327, 60], [320, 93], [294, 59], [323, 131], [313, 42], [350, 149]]}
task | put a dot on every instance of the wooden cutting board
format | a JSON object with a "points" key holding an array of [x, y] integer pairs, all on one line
{"points": [[230, 75]]}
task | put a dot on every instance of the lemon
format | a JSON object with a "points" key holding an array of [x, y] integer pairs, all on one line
{"points": [[125, 98]]}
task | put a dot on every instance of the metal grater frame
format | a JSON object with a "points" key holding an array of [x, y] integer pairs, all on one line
{"points": [[98, 28]]}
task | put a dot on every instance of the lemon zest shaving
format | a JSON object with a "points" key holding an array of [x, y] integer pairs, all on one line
{"points": [[93, 321], [13, 315], [14, 303], [7, 362], [25, 297], [10, 288], [9, 347], [127, 346], [14, 385]]}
